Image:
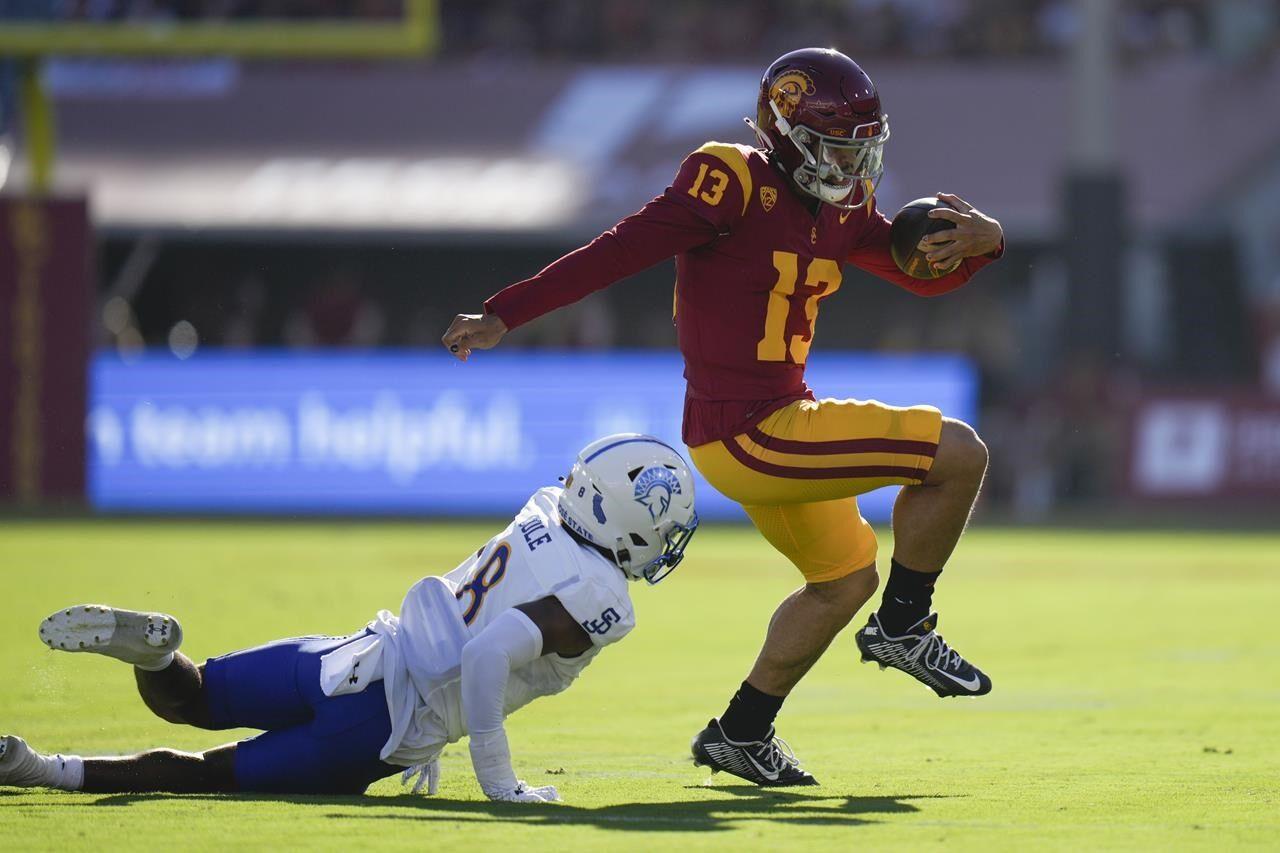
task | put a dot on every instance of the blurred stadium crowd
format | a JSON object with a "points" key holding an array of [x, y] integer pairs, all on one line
{"points": [[730, 30], [717, 30]]}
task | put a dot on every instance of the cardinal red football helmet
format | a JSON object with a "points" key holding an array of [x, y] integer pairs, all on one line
{"points": [[820, 118]]}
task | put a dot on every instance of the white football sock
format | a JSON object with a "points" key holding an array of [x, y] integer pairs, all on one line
{"points": [[156, 665], [30, 769], [70, 772]]}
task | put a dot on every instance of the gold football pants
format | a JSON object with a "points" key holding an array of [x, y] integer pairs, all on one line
{"points": [[798, 473]]}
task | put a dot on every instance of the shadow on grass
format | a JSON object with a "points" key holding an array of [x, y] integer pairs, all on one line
{"points": [[740, 803]]}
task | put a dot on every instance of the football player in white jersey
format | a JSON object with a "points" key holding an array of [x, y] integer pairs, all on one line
{"points": [[519, 619]]}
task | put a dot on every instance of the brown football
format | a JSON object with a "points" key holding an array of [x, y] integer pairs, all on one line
{"points": [[911, 224]]}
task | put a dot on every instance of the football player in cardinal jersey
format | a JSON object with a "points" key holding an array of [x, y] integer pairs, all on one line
{"points": [[519, 619], [759, 236]]}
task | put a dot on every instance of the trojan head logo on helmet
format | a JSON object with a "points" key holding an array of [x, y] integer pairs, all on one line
{"points": [[787, 90], [632, 496], [819, 116]]}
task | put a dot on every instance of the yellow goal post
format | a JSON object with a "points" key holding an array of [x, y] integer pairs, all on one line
{"points": [[414, 34]]}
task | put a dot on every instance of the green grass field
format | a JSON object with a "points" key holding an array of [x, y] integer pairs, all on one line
{"points": [[1136, 702]]}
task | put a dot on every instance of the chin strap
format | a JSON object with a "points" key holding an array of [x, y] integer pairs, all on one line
{"points": [[760, 134], [784, 127]]}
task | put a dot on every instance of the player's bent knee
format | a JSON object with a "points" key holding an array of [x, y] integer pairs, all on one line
{"points": [[961, 453], [850, 590], [169, 715], [194, 712]]}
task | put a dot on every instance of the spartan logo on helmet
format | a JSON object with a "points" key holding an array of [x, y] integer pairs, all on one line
{"points": [[787, 89], [654, 488]]}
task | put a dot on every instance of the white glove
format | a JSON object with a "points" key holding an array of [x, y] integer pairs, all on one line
{"points": [[428, 774], [524, 794]]}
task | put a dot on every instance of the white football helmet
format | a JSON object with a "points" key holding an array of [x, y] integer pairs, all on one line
{"points": [[632, 496]]}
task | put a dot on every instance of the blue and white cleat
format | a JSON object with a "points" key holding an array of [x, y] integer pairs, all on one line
{"points": [[146, 640]]}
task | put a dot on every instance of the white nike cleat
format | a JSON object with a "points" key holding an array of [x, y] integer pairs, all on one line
{"points": [[20, 765], [146, 640]]}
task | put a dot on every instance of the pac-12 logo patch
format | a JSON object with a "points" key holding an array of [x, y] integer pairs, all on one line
{"points": [[654, 488], [768, 196]]}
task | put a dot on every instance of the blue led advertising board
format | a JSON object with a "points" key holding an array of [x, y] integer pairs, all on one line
{"points": [[413, 433]]}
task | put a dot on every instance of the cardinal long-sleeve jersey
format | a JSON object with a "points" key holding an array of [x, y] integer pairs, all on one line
{"points": [[753, 264]]}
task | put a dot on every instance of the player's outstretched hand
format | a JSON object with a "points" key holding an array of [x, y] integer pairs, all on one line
{"points": [[975, 234], [473, 331], [524, 794], [428, 774]]}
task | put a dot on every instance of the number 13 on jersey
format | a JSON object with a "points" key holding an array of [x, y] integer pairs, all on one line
{"points": [[822, 274]]}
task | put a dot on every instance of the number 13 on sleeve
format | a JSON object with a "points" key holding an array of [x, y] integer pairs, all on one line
{"points": [[715, 191]]}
